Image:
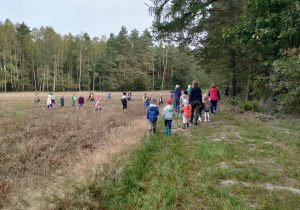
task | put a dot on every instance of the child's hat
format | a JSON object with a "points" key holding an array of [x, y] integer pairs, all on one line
{"points": [[169, 101], [185, 101]]}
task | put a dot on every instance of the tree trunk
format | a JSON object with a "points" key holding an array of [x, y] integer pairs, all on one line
{"points": [[79, 79], [163, 79], [249, 89], [232, 65]]}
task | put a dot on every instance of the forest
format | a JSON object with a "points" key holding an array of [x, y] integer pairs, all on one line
{"points": [[44, 60], [249, 48]]}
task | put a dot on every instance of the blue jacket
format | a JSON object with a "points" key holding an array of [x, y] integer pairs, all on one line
{"points": [[152, 112], [177, 94], [62, 100]]}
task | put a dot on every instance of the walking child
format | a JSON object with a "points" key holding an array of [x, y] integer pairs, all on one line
{"points": [[73, 99], [129, 96], [144, 99], [80, 102], [92, 97], [152, 113], [206, 107], [187, 110], [148, 100], [173, 100], [62, 102], [52, 99], [36, 99], [98, 97], [98, 106], [168, 114], [109, 96], [160, 100], [49, 102], [124, 101]]}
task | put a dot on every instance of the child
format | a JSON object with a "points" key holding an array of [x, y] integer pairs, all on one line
{"points": [[73, 99], [98, 106], [92, 97], [124, 101], [168, 114], [160, 100], [200, 111], [36, 99], [144, 99], [62, 102], [52, 99], [152, 113], [109, 96], [148, 101], [97, 97], [187, 109], [80, 102], [129, 96], [206, 107], [49, 102], [182, 98], [173, 100]]}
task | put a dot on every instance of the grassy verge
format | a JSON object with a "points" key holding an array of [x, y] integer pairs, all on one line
{"points": [[232, 162]]}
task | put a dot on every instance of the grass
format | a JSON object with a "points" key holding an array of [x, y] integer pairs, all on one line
{"points": [[236, 161]]}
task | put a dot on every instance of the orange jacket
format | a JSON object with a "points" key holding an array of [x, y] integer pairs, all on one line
{"points": [[187, 109]]}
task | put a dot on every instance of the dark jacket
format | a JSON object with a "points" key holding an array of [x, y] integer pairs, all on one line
{"points": [[177, 94], [81, 100], [62, 100], [152, 112], [195, 94]]}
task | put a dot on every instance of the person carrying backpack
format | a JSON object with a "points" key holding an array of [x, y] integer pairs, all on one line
{"points": [[152, 113]]}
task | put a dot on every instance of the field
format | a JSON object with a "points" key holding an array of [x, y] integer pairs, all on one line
{"points": [[77, 159], [40, 147]]}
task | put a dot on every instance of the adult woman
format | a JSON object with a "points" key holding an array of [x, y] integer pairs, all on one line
{"points": [[177, 94], [195, 99], [214, 97]]}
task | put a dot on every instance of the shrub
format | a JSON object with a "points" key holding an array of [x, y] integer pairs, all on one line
{"points": [[250, 105]]}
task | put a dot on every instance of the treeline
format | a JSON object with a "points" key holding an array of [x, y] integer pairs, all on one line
{"points": [[249, 48], [43, 60]]}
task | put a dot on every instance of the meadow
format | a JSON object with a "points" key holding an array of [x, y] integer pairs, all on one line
{"points": [[39, 148], [78, 159]]}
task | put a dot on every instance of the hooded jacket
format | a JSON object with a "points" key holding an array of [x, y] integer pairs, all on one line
{"points": [[195, 94], [152, 112], [168, 113], [177, 94]]}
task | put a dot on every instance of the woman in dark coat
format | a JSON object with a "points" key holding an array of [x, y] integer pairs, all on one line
{"points": [[195, 100]]}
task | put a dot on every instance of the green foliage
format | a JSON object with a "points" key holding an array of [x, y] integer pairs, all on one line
{"points": [[288, 83], [250, 106]]}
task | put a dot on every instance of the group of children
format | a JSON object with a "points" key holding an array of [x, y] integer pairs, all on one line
{"points": [[169, 111], [51, 101]]}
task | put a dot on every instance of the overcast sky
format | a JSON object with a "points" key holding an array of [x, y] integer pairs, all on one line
{"points": [[96, 17]]}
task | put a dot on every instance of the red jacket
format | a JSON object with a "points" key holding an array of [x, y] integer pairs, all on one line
{"points": [[187, 109], [213, 94]]}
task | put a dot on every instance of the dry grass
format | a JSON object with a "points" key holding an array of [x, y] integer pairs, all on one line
{"points": [[39, 148]]}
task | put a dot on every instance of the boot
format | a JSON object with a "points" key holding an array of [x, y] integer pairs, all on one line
{"points": [[150, 131], [183, 127], [169, 131], [154, 130], [188, 124], [207, 118], [166, 131]]}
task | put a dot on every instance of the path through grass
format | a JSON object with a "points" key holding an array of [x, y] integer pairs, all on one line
{"points": [[232, 162]]}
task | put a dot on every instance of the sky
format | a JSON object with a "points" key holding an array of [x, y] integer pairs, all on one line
{"points": [[95, 17]]}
